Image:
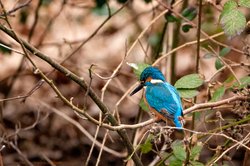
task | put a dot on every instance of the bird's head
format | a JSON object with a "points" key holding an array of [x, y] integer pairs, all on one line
{"points": [[149, 75]]}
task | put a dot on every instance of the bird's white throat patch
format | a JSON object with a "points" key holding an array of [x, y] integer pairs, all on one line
{"points": [[155, 81]]}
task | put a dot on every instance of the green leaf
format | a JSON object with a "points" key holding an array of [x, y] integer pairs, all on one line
{"points": [[196, 163], [244, 3], [225, 164], [147, 146], [188, 93], [170, 17], [102, 10], [46, 2], [224, 51], [230, 79], [208, 55], [197, 115], [3, 49], [189, 13], [143, 105], [218, 64], [100, 3], [232, 20], [186, 27], [175, 162], [164, 156], [178, 150], [154, 39], [244, 82], [189, 82], [138, 68], [195, 151], [219, 92], [228, 6]]}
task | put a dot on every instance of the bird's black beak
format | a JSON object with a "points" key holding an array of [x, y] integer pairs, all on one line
{"points": [[138, 88]]}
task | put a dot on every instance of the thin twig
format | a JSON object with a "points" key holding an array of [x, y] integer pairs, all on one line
{"points": [[185, 45], [36, 17], [204, 33], [53, 18], [23, 58], [228, 66], [80, 81], [103, 78], [90, 82], [212, 134], [24, 97], [101, 150], [81, 128], [16, 8], [11, 49], [95, 31], [163, 57], [14, 98], [102, 99], [223, 68], [189, 110], [215, 104], [48, 160], [236, 144], [20, 153], [105, 110]]}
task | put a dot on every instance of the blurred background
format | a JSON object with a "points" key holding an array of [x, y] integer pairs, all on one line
{"points": [[40, 128]]}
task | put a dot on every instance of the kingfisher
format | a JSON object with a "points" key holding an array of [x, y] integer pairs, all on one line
{"points": [[161, 97]]}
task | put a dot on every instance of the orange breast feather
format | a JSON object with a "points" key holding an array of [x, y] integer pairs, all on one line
{"points": [[152, 110]]}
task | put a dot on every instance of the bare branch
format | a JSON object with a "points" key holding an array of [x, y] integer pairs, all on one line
{"points": [[20, 6], [80, 81], [215, 104]]}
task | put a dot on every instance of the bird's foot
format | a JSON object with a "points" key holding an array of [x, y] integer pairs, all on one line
{"points": [[182, 120]]}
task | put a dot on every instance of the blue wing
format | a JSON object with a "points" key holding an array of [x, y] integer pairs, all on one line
{"points": [[176, 94], [164, 97]]}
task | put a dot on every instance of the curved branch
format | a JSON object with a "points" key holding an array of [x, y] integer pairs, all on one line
{"points": [[215, 104], [186, 111], [81, 82], [22, 5], [82, 129]]}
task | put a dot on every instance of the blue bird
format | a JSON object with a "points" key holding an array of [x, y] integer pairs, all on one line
{"points": [[161, 97]]}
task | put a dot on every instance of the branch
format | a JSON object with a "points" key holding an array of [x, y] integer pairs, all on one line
{"points": [[36, 17], [81, 128], [227, 65], [204, 33], [95, 32], [81, 82], [16, 8], [186, 111], [164, 56], [240, 143], [224, 67], [215, 104]]}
